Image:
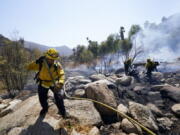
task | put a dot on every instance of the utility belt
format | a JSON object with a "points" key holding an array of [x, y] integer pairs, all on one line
{"points": [[61, 92], [39, 81]]}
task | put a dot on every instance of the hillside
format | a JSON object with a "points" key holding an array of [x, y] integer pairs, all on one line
{"points": [[63, 50], [3, 40]]}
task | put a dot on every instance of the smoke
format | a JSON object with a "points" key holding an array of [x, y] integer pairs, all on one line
{"points": [[160, 41]]}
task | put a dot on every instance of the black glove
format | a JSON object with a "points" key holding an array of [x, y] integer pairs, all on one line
{"points": [[40, 60]]}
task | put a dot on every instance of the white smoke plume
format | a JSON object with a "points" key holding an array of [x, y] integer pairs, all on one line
{"points": [[160, 41]]}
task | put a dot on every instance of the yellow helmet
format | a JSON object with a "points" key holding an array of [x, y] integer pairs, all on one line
{"points": [[130, 59], [52, 54]]}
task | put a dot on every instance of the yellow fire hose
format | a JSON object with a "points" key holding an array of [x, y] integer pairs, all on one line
{"points": [[111, 108], [100, 103]]}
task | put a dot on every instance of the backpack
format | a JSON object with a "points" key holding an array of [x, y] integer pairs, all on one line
{"points": [[40, 62]]}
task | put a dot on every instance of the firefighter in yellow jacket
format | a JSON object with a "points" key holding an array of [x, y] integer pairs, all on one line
{"points": [[50, 76], [150, 66], [128, 66]]}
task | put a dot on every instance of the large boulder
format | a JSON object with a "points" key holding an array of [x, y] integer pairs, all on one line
{"points": [[112, 78], [79, 93], [176, 109], [116, 125], [2, 106], [84, 111], [128, 127], [77, 82], [155, 98], [123, 109], [97, 77], [165, 123], [158, 87], [99, 91], [155, 110], [19, 115], [168, 91], [94, 131], [25, 119], [124, 81], [143, 115], [10, 108], [138, 88], [79, 79]]}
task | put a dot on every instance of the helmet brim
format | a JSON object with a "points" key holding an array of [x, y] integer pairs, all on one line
{"points": [[52, 58]]}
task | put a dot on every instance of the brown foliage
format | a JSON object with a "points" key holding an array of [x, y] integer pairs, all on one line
{"points": [[13, 57]]}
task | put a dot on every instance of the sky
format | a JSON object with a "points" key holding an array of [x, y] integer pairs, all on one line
{"points": [[69, 22]]}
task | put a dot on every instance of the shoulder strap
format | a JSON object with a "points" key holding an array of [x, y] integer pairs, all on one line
{"points": [[40, 62]]}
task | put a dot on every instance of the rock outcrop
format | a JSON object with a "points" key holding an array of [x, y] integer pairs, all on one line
{"points": [[84, 111], [143, 114], [99, 91], [155, 105]]}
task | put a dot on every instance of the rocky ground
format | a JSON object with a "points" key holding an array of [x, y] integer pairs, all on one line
{"points": [[155, 105]]}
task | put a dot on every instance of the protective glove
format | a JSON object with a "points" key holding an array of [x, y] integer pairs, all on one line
{"points": [[58, 87]]}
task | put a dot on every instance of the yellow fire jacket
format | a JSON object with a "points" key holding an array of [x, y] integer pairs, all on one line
{"points": [[128, 62], [149, 64], [44, 76]]}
